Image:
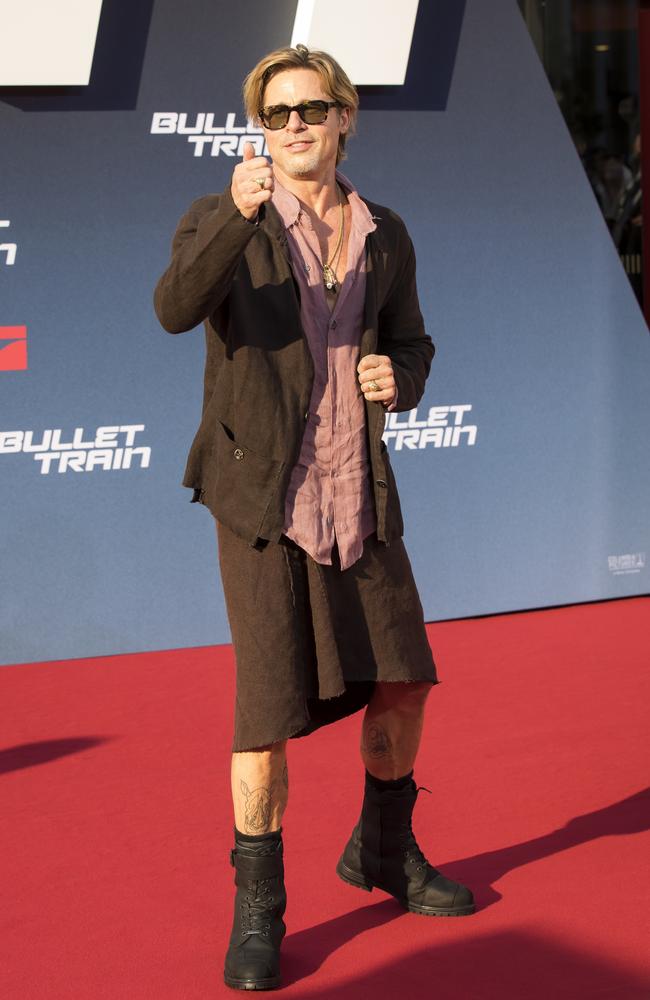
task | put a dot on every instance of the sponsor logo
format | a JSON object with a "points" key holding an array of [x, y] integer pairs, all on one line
{"points": [[8, 249], [440, 427], [631, 562], [13, 353], [209, 139], [107, 449]]}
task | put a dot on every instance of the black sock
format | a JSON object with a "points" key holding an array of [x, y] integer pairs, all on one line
{"points": [[384, 786], [254, 838]]}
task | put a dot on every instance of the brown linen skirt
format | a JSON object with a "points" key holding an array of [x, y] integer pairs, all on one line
{"points": [[311, 640]]}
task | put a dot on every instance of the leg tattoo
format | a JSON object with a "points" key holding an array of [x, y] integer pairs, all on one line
{"points": [[375, 741], [258, 808], [285, 775]]}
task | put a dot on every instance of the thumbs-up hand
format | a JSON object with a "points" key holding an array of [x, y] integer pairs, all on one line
{"points": [[252, 182]]}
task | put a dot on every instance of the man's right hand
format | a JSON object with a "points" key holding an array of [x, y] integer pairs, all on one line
{"points": [[247, 193]]}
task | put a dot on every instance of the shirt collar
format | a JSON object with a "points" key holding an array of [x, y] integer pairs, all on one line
{"points": [[286, 203], [289, 209]]}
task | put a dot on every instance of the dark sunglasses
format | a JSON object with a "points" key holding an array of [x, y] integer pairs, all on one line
{"points": [[311, 112]]}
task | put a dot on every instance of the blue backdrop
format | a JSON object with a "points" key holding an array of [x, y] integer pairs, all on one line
{"points": [[523, 473]]}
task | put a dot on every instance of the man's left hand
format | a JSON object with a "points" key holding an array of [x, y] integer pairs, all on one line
{"points": [[377, 368]]}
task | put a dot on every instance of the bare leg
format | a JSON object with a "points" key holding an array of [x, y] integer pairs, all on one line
{"points": [[392, 727], [260, 788]]}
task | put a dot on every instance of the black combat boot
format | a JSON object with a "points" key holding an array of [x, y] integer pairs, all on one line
{"points": [[383, 852], [253, 957]]}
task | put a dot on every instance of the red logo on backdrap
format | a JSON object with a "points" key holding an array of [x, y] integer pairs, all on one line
{"points": [[13, 355]]}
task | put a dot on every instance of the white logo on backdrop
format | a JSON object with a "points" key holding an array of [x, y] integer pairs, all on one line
{"points": [[631, 562], [376, 43], [47, 44], [205, 137], [8, 248], [107, 449], [440, 427]]}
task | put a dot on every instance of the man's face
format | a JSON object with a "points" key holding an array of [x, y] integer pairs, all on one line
{"points": [[303, 151]]}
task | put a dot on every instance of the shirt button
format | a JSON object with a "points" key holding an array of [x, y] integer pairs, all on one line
{"points": [[238, 453], [382, 483], [306, 416]]}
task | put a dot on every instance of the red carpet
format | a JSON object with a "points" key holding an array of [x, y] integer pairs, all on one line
{"points": [[116, 825]]}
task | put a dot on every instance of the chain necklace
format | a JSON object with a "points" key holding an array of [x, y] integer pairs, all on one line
{"points": [[329, 269]]}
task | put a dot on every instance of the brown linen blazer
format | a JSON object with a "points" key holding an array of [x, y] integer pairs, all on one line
{"points": [[235, 276]]}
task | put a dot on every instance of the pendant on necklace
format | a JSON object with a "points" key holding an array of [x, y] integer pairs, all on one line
{"points": [[329, 277]]}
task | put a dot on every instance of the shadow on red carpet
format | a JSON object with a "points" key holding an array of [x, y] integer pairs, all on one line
{"points": [[514, 964], [631, 815], [45, 751]]}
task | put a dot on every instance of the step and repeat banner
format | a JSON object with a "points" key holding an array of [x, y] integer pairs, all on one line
{"points": [[524, 471]]}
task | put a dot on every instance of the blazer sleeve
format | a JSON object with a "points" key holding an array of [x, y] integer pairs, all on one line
{"points": [[401, 333], [206, 250]]}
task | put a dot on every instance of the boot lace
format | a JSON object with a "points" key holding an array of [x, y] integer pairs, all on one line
{"points": [[255, 908], [412, 853]]}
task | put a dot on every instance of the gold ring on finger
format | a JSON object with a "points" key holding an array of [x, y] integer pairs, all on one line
{"points": [[373, 386], [261, 181]]}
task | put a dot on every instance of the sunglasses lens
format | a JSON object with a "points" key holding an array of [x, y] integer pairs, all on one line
{"points": [[313, 112], [277, 117]]}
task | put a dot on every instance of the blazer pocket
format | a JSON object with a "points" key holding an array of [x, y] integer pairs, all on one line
{"points": [[244, 483]]}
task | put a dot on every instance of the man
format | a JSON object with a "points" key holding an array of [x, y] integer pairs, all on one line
{"points": [[313, 330]]}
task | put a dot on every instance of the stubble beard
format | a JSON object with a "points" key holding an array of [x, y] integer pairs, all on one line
{"points": [[303, 164]]}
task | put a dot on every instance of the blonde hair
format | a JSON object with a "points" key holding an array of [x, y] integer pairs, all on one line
{"points": [[335, 82]]}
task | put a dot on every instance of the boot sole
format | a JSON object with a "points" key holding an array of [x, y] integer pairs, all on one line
{"points": [[359, 882], [252, 984]]}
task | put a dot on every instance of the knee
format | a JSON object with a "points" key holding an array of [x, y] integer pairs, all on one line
{"points": [[405, 696]]}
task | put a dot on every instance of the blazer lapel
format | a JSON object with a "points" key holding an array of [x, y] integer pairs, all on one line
{"points": [[376, 256], [272, 224]]}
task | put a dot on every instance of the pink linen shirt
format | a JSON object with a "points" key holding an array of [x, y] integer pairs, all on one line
{"points": [[329, 498]]}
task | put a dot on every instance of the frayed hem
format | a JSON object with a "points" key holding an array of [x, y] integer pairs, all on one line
{"points": [[270, 742]]}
